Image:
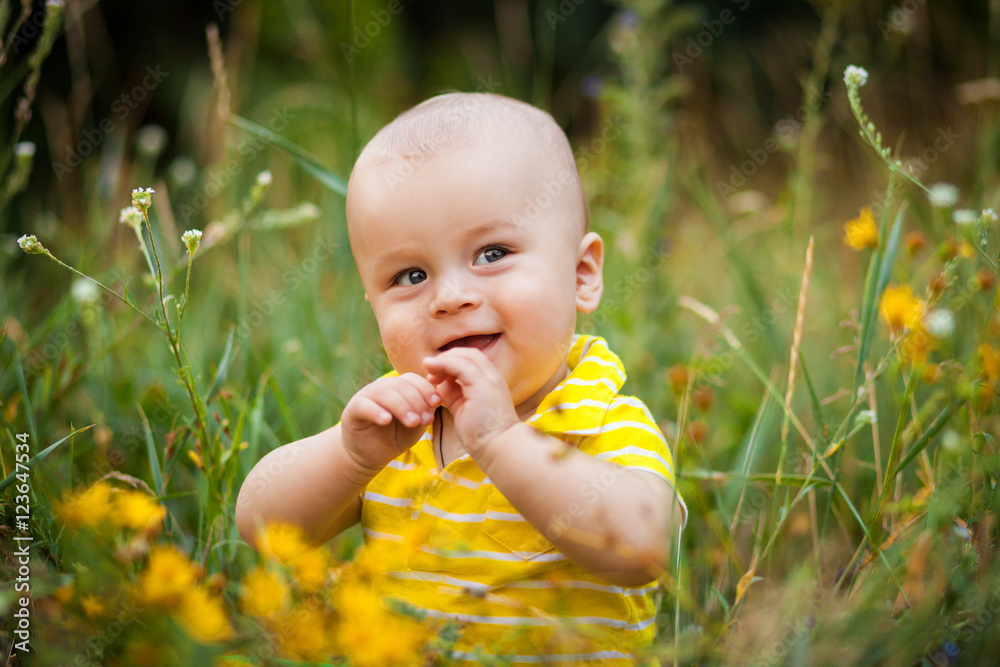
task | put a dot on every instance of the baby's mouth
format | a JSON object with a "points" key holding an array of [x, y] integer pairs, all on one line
{"points": [[479, 341]]}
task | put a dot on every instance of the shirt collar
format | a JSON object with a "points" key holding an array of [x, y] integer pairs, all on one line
{"points": [[579, 402]]}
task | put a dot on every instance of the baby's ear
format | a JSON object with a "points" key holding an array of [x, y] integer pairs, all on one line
{"points": [[589, 273]]}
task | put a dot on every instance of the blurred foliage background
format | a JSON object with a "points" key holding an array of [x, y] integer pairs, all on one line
{"points": [[714, 139]]}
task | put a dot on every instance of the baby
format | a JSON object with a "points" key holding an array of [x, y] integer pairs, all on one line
{"points": [[542, 500]]}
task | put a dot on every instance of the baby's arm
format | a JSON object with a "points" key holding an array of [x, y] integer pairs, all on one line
{"points": [[316, 483], [620, 531]]}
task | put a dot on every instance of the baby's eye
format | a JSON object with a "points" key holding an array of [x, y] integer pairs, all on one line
{"points": [[411, 277], [490, 255]]}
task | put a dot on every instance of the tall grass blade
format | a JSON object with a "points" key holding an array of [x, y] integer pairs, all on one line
{"points": [[154, 458], [223, 369], [932, 430], [39, 457], [869, 302], [29, 412], [309, 163]]}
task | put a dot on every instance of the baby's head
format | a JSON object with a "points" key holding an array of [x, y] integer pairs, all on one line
{"points": [[468, 226]]}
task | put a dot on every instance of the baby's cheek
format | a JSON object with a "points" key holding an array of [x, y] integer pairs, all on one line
{"points": [[402, 337]]}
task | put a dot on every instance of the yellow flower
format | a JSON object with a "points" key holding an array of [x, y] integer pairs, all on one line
{"points": [[283, 542], [138, 511], [311, 569], [861, 232], [204, 616], [168, 576], [86, 508], [917, 345], [64, 594], [990, 358], [899, 308], [286, 543], [372, 635], [304, 635], [263, 593], [92, 606]]}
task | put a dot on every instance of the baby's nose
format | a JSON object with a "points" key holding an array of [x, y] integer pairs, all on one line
{"points": [[453, 296]]}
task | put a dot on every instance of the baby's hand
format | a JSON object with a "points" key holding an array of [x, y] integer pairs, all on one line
{"points": [[475, 393], [386, 418]]}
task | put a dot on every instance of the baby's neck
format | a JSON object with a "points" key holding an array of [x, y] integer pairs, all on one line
{"points": [[527, 408]]}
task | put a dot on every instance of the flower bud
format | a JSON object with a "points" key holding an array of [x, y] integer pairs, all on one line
{"points": [[677, 376], [132, 217], [855, 76], [702, 398], [192, 239], [30, 245], [142, 199]]}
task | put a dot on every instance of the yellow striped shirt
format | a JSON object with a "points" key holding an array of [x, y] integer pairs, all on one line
{"points": [[451, 544]]}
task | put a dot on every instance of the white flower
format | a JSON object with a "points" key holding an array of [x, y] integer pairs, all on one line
{"points": [[264, 178], [142, 199], [192, 239], [84, 291], [865, 417], [940, 323], [30, 245], [989, 215], [25, 149], [131, 216], [964, 216], [855, 76], [943, 195]]}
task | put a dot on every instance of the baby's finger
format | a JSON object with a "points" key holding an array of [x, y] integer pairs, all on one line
{"points": [[457, 366], [405, 402], [425, 388], [450, 391], [364, 409], [420, 404]]}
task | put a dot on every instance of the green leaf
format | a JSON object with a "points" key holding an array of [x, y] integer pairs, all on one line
{"points": [[40, 456], [881, 266], [224, 363], [154, 458], [932, 430], [308, 162], [128, 297]]}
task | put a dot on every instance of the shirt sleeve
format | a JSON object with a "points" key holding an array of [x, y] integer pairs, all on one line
{"points": [[629, 436]]}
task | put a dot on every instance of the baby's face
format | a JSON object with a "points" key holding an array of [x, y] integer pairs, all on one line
{"points": [[448, 258]]}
